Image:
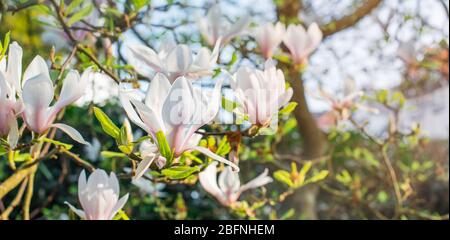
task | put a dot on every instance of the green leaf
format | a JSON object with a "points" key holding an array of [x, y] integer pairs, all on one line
{"points": [[80, 14], [57, 143], [109, 154], [179, 172], [73, 4], [288, 108], [224, 147], [318, 177], [229, 105], [6, 41], [107, 124], [284, 177], [164, 147]]}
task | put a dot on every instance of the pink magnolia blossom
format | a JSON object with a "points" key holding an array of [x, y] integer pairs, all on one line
{"points": [[175, 60], [177, 111], [261, 93], [38, 93], [214, 27], [10, 106], [302, 43], [269, 37], [227, 189], [98, 196]]}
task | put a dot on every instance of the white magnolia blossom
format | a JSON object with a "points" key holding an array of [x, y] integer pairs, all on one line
{"points": [[269, 37], [99, 196], [10, 106], [302, 43], [175, 60], [177, 111], [35, 92], [227, 189], [261, 93], [214, 27]]}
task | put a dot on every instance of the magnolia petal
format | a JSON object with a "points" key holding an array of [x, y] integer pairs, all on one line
{"points": [[82, 186], [259, 181], [146, 56], [229, 181], [119, 205], [125, 97], [77, 211], [71, 90], [13, 136], [179, 59], [143, 166], [157, 92], [208, 180], [236, 28], [14, 68], [71, 132], [37, 67], [216, 157]]}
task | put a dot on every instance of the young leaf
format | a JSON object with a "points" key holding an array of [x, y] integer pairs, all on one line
{"points": [[107, 124], [284, 177], [179, 172], [164, 147], [288, 108]]}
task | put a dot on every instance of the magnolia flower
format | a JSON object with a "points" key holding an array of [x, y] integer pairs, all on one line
{"points": [[175, 60], [269, 37], [38, 93], [228, 189], [302, 43], [99, 196], [177, 111], [213, 27], [10, 106], [261, 93], [149, 154]]}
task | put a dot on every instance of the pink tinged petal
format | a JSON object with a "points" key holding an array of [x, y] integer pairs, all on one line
{"points": [[143, 166], [157, 92], [71, 132], [113, 183], [208, 180], [315, 36], [145, 56], [13, 136], [151, 119], [179, 60], [38, 66], [71, 90], [229, 181], [125, 97], [259, 181], [37, 96], [77, 211], [216, 157], [119, 205], [14, 68], [236, 29], [178, 107]]}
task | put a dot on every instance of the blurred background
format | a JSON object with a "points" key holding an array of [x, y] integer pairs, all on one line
{"points": [[395, 51]]}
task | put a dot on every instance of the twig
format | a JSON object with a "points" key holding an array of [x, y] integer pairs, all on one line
{"points": [[28, 196], [15, 201], [78, 160]]}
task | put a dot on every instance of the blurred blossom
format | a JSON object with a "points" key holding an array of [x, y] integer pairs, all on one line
{"points": [[269, 37], [341, 109], [261, 93], [175, 60], [214, 26], [177, 111], [10, 106], [99, 196], [302, 43], [92, 150], [227, 189]]}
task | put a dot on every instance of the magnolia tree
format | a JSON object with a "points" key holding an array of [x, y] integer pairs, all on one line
{"points": [[199, 99]]}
